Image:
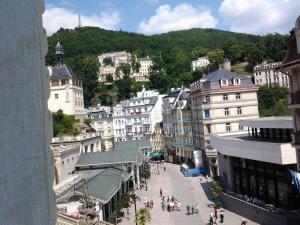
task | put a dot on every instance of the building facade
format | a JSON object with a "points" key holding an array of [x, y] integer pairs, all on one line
{"points": [[257, 163], [89, 142], [65, 158], [156, 138], [291, 65], [66, 92], [135, 119], [219, 101], [182, 125], [117, 58], [268, 74], [102, 122], [145, 68], [169, 102], [200, 63]]}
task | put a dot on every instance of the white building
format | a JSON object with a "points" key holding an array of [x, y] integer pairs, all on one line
{"points": [[268, 74], [103, 124], [136, 118], [116, 57], [182, 124], [200, 63], [168, 105], [144, 70], [219, 101], [89, 142], [66, 91]]}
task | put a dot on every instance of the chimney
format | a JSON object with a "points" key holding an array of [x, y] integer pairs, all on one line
{"points": [[227, 65]]}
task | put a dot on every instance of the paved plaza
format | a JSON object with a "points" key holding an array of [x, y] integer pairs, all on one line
{"points": [[188, 190]]}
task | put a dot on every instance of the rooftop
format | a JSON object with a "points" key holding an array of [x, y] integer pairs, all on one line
{"points": [[61, 71], [104, 185], [279, 122], [123, 152]]}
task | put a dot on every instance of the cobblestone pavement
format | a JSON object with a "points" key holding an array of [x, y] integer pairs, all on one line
{"points": [[188, 190]]}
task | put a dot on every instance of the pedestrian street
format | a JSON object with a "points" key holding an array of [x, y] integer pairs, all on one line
{"points": [[187, 191]]}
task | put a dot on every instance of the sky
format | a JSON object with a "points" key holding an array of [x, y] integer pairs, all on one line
{"points": [[160, 16]]}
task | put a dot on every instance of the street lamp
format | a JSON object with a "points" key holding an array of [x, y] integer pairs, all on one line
{"points": [[134, 196]]}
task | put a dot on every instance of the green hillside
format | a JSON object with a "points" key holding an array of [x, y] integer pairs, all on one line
{"points": [[171, 53]]}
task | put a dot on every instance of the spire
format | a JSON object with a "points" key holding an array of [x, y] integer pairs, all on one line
{"points": [[79, 21], [59, 52]]}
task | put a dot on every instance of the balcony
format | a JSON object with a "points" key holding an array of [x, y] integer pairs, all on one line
{"points": [[255, 149]]}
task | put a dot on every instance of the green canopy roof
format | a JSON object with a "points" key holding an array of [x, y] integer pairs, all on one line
{"points": [[104, 185], [123, 152]]}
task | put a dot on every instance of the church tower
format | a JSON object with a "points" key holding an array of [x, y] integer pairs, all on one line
{"points": [[59, 52]]}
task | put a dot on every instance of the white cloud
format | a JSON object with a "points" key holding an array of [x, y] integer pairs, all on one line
{"points": [[183, 16], [259, 16], [56, 17]]}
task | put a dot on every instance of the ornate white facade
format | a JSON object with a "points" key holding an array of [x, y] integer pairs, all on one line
{"points": [[200, 63], [135, 118], [268, 74]]}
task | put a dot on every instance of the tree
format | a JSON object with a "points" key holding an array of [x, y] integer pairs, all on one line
{"points": [[199, 52], [216, 58], [143, 216], [87, 71], [269, 97], [63, 124], [254, 55], [108, 61], [233, 51], [124, 88], [216, 191], [88, 213], [125, 68], [199, 73], [276, 46], [281, 109], [87, 121]]}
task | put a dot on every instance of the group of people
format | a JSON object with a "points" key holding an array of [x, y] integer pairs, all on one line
{"points": [[191, 210], [148, 204], [214, 216], [170, 203]]}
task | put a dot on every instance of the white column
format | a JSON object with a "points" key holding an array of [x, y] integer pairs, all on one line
{"points": [[26, 163]]}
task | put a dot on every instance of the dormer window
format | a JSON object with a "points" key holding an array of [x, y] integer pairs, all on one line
{"points": [[224, 82], [236, 81]]}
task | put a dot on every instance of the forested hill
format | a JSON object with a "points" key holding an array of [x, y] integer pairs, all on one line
{"points": [[94, 41], [171, 54]]}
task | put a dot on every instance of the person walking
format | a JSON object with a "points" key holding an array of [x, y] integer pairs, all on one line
{"points": [[193, 210], [221, 217], [188, 209], [211, 221], [216, 212], [243, 222], [160, 192], [164, 168]]}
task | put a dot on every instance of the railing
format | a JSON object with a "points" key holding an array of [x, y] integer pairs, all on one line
{"points": [[66, 220]]}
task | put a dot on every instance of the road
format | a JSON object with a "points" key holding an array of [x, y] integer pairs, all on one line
{"points": [[188, 190]]}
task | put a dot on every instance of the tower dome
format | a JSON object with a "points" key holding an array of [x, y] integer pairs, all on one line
{"points": [[59, 52]]}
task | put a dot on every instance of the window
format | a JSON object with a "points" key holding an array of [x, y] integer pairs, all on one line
{"points": [[63, 82], [208, 128], [225, 97], [239, 110], [56, 96], [206, 99], [237, 81], [241, 127], [237, 96], [224, 82], [226, 111], [228, 127], [206, 113]]}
